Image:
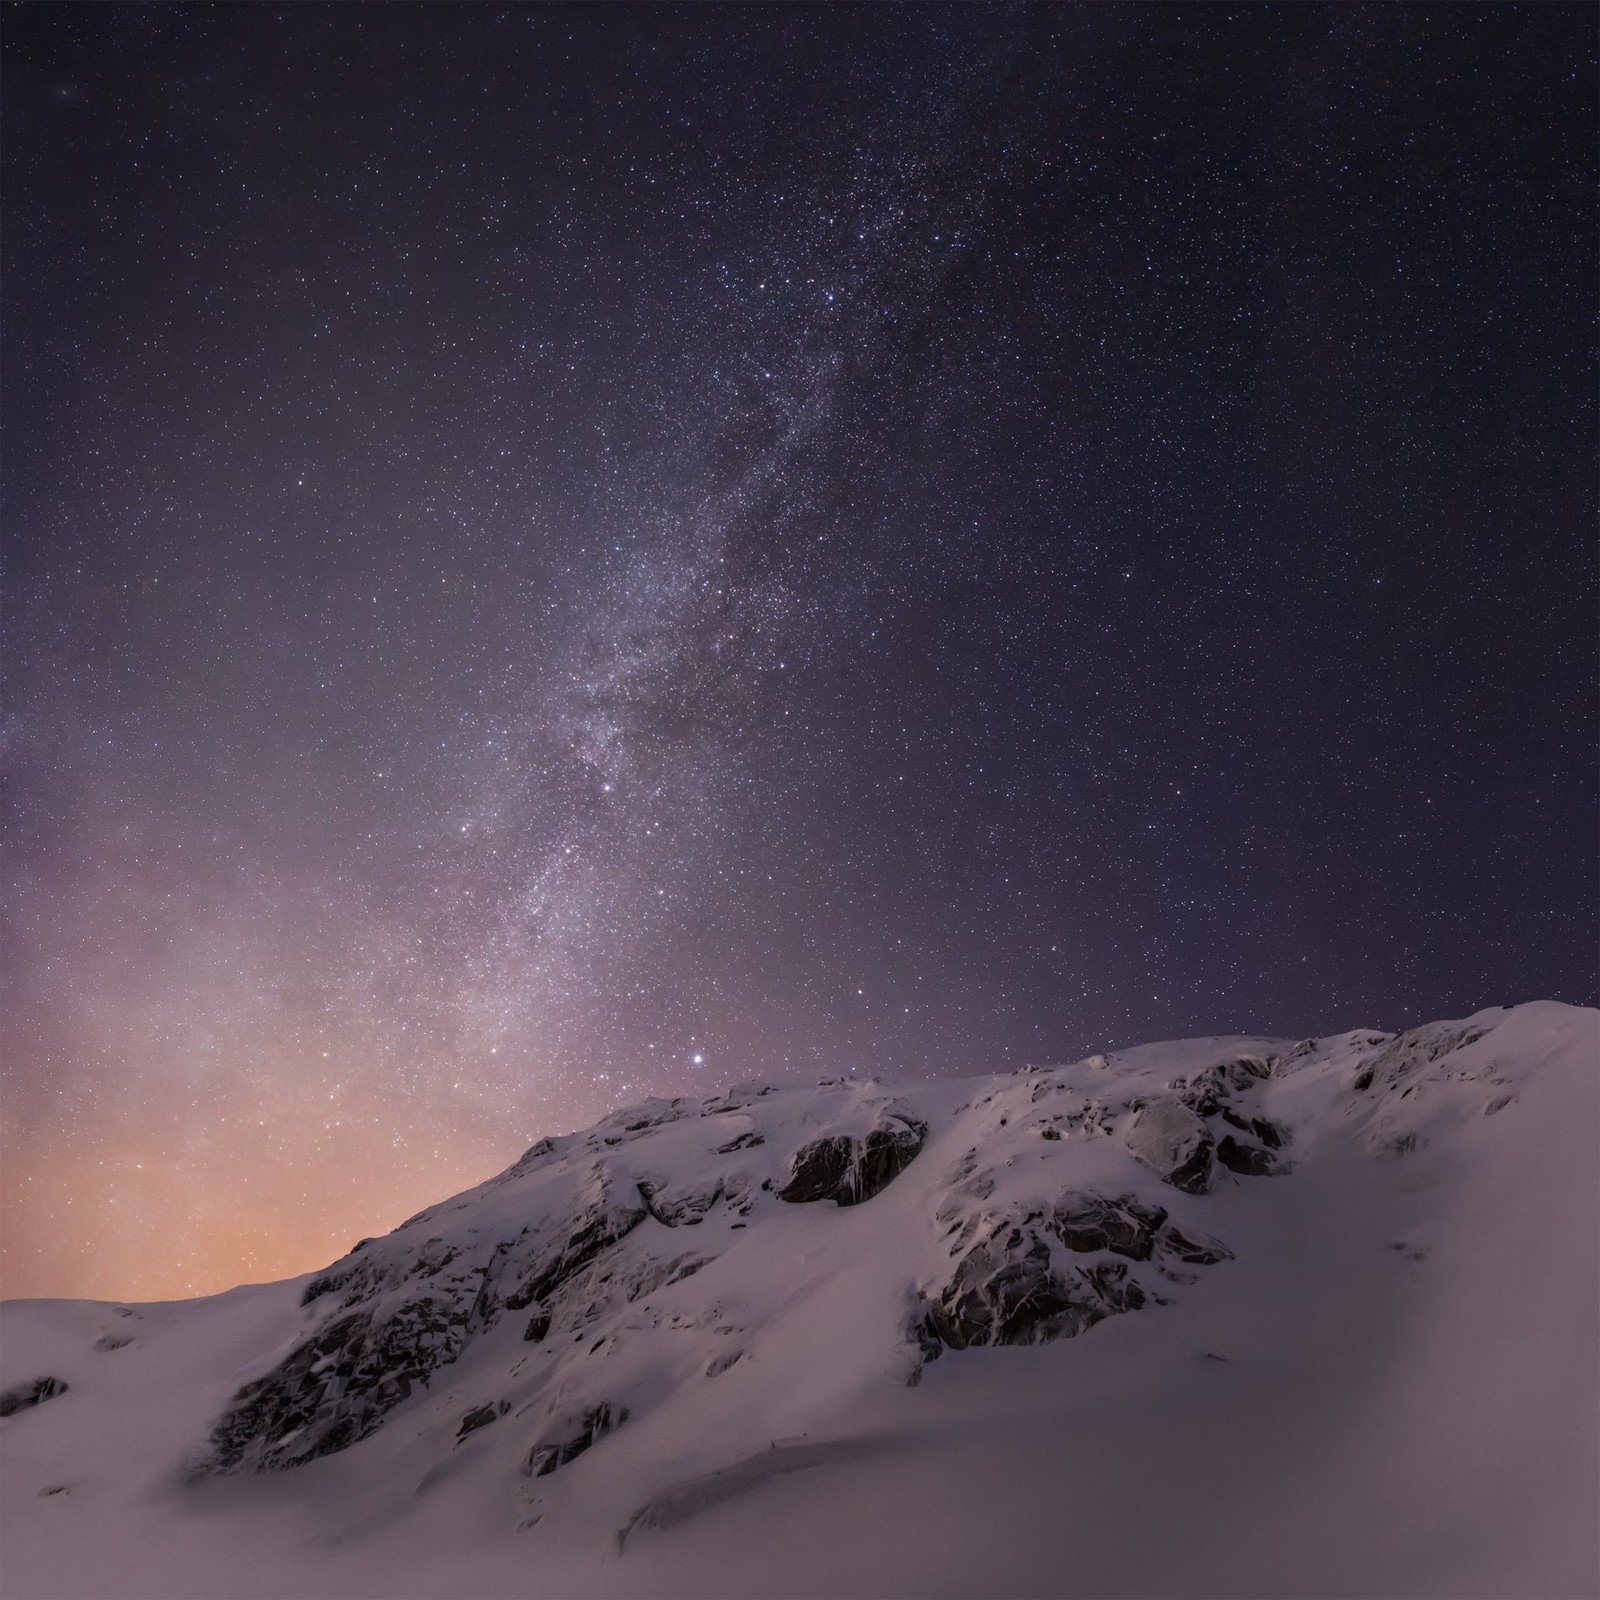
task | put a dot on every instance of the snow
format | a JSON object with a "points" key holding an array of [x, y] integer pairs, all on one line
{"points": [[1389, 1388]]}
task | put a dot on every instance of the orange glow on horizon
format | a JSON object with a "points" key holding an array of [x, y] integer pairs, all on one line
{"points": [[132, 1211]]}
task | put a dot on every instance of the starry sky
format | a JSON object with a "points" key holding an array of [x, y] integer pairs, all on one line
{"points": [[560, 554]]}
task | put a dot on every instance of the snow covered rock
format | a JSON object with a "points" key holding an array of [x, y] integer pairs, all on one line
{"points": [[21, 1396], [1170, 1139], [848, 1170], [1087, 1222], [1352, 1276], [567, 1436], [1020, 1285]]}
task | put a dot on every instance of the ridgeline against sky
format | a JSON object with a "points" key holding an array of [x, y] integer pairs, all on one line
{"points": [[562, 554]]}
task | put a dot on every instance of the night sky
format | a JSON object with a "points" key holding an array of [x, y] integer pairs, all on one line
{"points": [[559, 555]]}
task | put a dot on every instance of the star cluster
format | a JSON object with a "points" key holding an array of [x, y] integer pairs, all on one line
{"points": [[558, 554]]}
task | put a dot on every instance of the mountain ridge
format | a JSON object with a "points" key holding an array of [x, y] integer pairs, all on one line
{"points": [[699, 1312]]}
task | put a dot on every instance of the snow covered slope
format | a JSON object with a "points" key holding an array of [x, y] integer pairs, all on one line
{"points": [[1217, 1317]]}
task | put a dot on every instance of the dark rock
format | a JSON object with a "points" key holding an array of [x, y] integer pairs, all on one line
{"points": [[599, 1229], [536, 1153], [1404, 1059], [1264, 1129], [478, 1417], [847, 1170], [1085, 1222], [679, 1210], [820, 1169], [922, 1332], [34, 1393], [1249, 1160], [1205, 1093], [1049, 1133], [1251, 1067], [744, 1141], [1118, 1291], [1012, 1286], [1004, 1292], [717, 1365], [1170, 1139], [328, 1283], [568, 1436], [1269, 1132], [1404, 1144], [432, 1262], [538, 1326], [1194, 1249], [337, 1386], [1208, 1091]]}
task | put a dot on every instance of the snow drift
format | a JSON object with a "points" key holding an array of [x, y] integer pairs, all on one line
{"points": [[1217, 1317]]}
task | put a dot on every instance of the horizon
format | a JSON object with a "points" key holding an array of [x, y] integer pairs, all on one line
{"points": [[565, 554]]}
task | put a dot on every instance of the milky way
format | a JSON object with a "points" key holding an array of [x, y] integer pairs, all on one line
{"points": [[559, 555]]}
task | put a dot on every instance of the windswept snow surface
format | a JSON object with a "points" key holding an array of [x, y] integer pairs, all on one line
{"points": [[1219, 1317]]}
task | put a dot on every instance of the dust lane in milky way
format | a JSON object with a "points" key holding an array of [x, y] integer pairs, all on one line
{"points": [[557, 555]]}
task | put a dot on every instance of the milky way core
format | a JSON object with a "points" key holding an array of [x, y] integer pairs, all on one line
{"points": [[556, 555]]}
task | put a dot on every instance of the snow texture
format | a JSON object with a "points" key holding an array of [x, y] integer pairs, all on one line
{"points": [[1224, 1316]]}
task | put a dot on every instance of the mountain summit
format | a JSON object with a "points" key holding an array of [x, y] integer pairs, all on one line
{"points": [[1226, 1316]]}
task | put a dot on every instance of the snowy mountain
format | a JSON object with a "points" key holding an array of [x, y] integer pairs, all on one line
{"points": [[1226, 1316]]}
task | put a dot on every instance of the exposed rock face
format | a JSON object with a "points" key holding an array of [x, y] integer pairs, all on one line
{"points": [[1404, 1059], [848, 1170], [567, 1436], [1170, 1139], [1123, 1226], [23, 1395], [1015, 1287], [1411, 1068], [399, 1322], [478, 1417], [337, 1386], [600, 1228], [1249, 1160], [681, 1210], [1005, 1291], [645, 1274], [1267, 1131], [1197, 1250], [395, 1310], [580, 1236], [1209, 1090]]}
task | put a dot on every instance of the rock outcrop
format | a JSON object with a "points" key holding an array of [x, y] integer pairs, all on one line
{"points": [[847, 1169], [581, 1241], [1019, 1283], [1171, 1139], [568, 1435], [24, 1395], [396, 1310]]}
